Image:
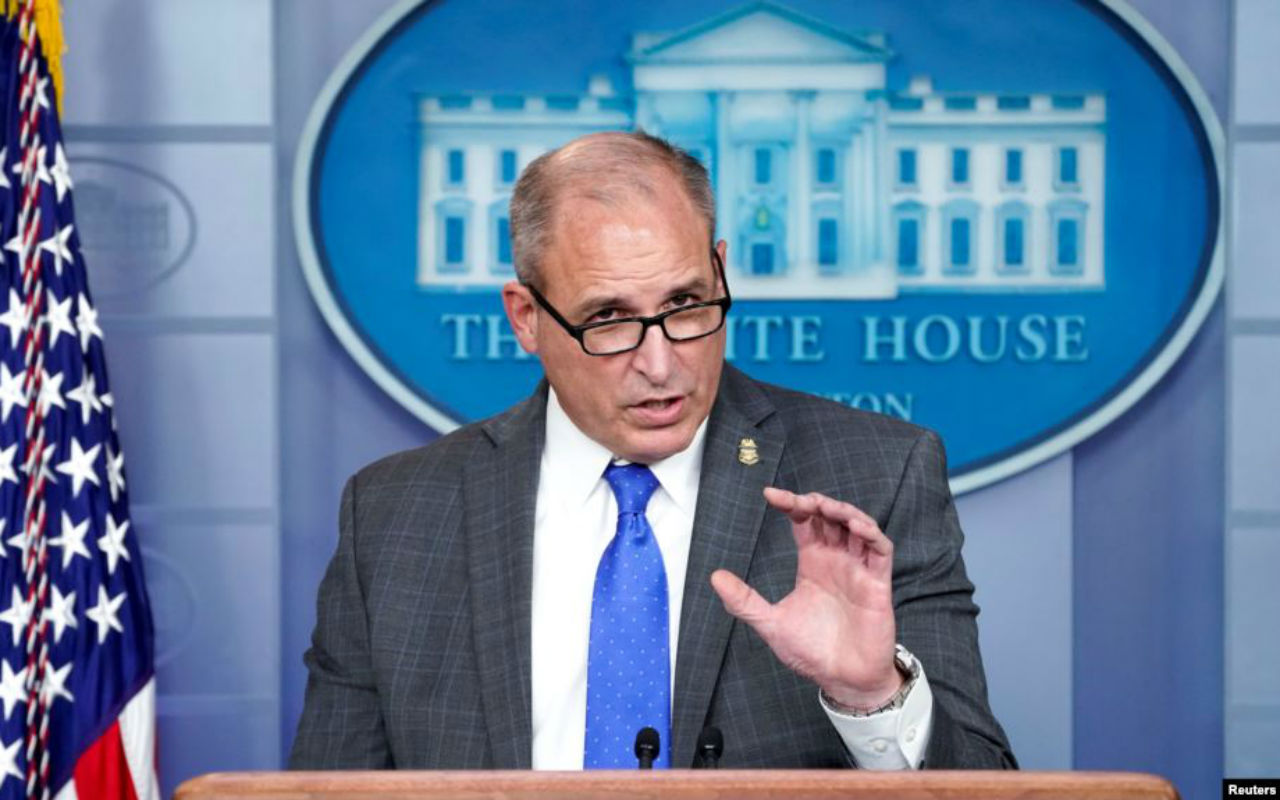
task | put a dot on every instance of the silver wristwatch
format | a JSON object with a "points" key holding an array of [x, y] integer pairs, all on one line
{"points": [[908, 666]]}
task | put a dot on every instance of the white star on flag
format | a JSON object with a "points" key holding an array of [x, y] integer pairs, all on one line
{"points": [[105, 613], [72, 539], [61, 612], [15, 316], [20, 542], [55, 680], [45, 474], [4, 179], [42, 100], [115, 473], [111, 543], [33, 163], [18, 245], [79, 466], [61, 171], [17, 615], [6, 471], [9, 761], [109, 402], [86, 395], [50, 393], [87, 322], [12, 688], [23, 168], [57, 245], [58, 318], [11, 391]]}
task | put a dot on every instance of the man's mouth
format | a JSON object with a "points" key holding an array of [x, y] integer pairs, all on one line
{"points": [[659, 404], [659, 411]]}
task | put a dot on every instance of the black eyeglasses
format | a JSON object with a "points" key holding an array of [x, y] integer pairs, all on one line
{"points": [[614, 336]]}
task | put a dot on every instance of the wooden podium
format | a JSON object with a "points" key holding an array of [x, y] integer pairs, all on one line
{"points": [[679, 785]]}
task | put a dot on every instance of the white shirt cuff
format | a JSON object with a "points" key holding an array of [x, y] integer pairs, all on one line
{"points": [[894, 739]]}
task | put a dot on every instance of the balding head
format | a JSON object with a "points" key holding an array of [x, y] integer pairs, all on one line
{"points": [[614, 169]]}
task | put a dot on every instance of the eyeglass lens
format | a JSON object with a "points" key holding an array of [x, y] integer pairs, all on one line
{"points": [[682, 325]]}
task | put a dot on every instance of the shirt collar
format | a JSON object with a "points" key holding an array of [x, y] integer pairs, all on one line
{"points": [[679, 473], [574, 463]]}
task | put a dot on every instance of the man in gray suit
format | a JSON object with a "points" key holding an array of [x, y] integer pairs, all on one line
{"points": [[483, 611]]}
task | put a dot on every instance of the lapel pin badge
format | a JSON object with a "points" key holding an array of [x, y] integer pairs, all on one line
{"points": [[748, 453]]}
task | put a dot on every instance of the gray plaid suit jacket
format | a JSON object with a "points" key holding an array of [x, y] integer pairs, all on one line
{"points": [[421, 652]]}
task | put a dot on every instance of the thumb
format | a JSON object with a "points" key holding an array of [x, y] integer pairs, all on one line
{"points": [[742, 601]]}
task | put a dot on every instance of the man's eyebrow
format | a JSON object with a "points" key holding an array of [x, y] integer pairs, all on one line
{"points": [[589, 303], [699, 284]]}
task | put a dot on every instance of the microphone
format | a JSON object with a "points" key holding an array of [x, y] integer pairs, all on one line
{"points": [[647, 747], [710, 747]]}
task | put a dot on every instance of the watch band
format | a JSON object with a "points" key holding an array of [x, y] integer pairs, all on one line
{"points": [[908, 666]]}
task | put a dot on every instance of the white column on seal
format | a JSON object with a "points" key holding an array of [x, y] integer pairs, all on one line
{"points": [[800, 237], [854, 175]]}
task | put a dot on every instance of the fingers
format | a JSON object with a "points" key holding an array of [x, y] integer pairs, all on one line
{"points": [[830, 521], [858, 523], [794, 507], [741, 600], [789, 503]]}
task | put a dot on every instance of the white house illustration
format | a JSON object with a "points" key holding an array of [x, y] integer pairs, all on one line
{"points": [[829, 185]]}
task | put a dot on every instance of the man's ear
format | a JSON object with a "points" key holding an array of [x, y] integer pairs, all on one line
{"points": [[722, 249], [522, 313]]}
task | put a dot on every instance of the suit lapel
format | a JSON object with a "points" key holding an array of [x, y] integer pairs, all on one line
{"points": [[500, 493], [726, 525]]}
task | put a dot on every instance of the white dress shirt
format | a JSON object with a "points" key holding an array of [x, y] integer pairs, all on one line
{"points": [[575, 518]]}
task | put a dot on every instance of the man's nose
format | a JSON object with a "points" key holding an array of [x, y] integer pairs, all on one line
{"points": [[653, 358]]}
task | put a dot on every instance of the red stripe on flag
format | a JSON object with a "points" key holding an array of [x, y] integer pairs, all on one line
{"points": [[102, 773]]}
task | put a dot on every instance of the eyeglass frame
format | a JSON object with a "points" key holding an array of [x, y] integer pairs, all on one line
{"points": [[578, 332]]}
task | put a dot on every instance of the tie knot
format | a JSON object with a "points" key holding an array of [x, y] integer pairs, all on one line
{"points": [[632, 484]]}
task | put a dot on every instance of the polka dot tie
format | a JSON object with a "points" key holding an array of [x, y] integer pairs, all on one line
{"points": [[628, 666]]}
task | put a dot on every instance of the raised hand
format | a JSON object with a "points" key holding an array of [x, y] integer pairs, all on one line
{"points": [[836, 627]]}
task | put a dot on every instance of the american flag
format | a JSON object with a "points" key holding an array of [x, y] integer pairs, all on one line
{"points": [[77, 685]]}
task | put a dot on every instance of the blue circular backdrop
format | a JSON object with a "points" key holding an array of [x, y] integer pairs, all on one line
{"points": [[362, 181]]}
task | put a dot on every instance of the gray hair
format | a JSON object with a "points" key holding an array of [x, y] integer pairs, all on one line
{"points": [[610, 168]]}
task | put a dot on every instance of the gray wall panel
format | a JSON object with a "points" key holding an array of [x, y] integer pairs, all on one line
{"points": [[1255, 396], [1255, 264], [174, 62], [1252, 737], [177, 230], [1252, 723], [1257, 62], [232, 733], [1018, 537], [196, 415], [211, 641], [1148, 579], [1253, 597]]}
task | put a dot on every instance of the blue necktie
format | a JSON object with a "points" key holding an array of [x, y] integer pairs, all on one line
{"points": [[628, 666]]}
